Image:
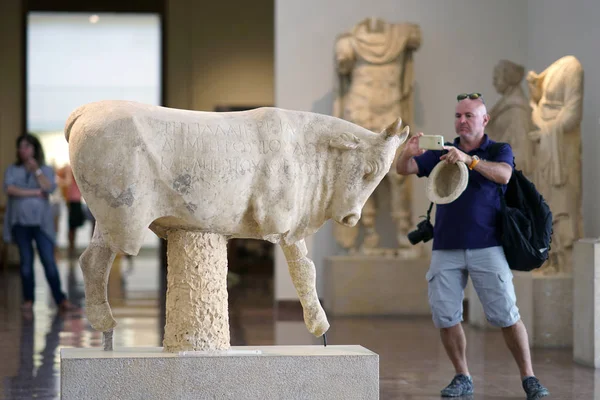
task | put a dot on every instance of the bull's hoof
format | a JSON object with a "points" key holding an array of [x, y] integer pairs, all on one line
{"points": [[100, 317], [316, 322]]}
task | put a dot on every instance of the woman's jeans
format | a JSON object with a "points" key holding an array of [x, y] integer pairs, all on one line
{"points": [[24, 236]]}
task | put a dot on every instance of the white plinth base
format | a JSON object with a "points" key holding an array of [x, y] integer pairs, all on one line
{"points": [[545, 304], [586, 303], [263, 372], [375, 285]]}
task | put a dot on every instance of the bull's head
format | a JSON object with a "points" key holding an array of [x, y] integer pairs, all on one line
{"points": [[364, 162]]}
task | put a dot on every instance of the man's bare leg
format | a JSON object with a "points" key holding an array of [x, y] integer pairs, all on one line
{"points": [[455, 343], [517, 341]]}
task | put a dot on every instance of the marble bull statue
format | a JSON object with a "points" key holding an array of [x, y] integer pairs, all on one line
{"points": [[267, 173]]}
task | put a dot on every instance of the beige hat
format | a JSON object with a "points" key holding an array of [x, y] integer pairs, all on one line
{"points": [[447, 182]]}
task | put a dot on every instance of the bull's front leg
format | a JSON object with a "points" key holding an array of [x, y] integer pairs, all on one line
{"points": [[304, 276]]}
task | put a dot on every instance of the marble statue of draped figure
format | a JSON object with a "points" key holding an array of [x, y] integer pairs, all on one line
{"points": [[374, 68], [556, 97], [510, 117]]}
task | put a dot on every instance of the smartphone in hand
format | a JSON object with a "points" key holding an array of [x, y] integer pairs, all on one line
{"points": [[431, 142]]}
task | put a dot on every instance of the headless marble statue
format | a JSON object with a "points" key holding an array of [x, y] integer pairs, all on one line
{"points": [[375, 72], [510, 117], [556, 97]]}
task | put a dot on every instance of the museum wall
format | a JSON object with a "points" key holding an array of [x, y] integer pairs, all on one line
{"points": [[216, 55], [557, 29], [219, 54], [462, 40], [11, 70]]}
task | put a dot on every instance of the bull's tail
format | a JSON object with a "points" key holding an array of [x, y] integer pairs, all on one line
{"points": [[71, 120]]}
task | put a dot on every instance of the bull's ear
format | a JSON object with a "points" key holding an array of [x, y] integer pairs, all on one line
{"points": [[346, 141]]}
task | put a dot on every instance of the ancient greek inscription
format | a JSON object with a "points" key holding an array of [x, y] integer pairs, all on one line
{"points": [[228, 150], [235, 167]]}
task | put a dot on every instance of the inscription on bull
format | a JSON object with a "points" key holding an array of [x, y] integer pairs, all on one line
{"points": [[246, 130], [237, 166], [199, 147], [226, 136], [202, 144]]}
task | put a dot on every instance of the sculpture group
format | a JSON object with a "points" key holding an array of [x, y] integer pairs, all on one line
{"points": [[267, 173], [545, 133], [374, 67]]}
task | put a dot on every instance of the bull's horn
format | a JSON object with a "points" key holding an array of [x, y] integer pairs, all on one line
{"points": [[392, 128]]}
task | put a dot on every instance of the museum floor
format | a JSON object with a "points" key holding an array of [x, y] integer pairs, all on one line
{"points": [[413, 364]]}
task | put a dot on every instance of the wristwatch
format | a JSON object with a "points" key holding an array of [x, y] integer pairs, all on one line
{"points": [[474, 162], [38, 172]]}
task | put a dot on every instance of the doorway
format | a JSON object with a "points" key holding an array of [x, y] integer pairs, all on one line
{"points": [[74, 58]]}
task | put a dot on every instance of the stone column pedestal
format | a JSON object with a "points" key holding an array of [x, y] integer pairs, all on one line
{"points": [[197, 315], [546, 306], [586, 303]]}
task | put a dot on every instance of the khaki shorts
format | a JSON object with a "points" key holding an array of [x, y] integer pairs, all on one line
{"points": [[492, 280]]}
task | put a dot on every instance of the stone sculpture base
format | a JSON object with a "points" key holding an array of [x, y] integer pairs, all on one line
{"points": [[265, 372], [586, 303], [545, 304], [372, 285], [197, 316]]}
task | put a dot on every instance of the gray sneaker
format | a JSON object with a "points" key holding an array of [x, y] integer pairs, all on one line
{"points": [[534, 388], [461, 385]]}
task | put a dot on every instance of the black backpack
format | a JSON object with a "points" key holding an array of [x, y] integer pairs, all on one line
{"points": [[525, 221]]}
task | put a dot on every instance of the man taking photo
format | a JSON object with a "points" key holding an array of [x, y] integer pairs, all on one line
{"points": [[466, 242]]}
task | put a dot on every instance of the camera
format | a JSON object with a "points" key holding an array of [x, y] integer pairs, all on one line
{"points": [[424, 232]]}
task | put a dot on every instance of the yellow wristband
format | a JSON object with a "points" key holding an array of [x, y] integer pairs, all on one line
{"points": [[474, 162]]}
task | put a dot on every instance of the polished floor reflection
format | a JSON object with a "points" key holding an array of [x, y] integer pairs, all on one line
{"points": [[413, 364]]}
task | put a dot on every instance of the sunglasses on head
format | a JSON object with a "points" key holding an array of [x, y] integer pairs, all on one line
{"points": [[472, 96]]}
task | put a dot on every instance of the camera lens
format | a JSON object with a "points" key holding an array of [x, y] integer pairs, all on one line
{"points": [[415, 236], [424, 233]]}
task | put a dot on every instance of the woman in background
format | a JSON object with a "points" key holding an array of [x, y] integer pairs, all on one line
{"points": [[29, 217]]}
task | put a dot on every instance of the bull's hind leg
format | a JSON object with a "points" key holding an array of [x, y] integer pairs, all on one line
{"points": [[96, 262], [302, 271]]}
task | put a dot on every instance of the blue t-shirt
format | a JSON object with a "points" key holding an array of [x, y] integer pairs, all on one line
{"points": [[470, 221]]}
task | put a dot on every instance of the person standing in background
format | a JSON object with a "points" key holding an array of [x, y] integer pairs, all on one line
{"points": [[72, 197], [29, 217]]}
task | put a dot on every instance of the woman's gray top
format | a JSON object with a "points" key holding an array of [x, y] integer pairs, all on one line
{"points": [[28, 211]]}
